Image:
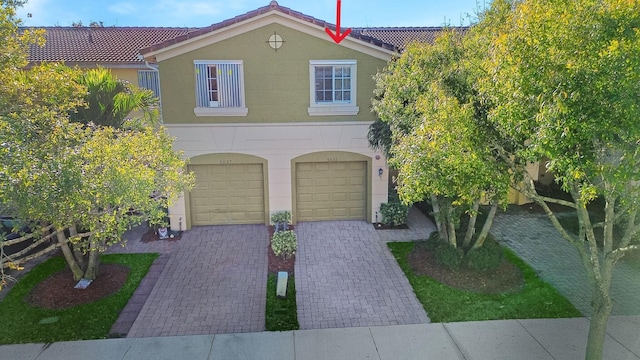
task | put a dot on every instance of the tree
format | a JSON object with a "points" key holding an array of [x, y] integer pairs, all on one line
{"points": [[81, 186], [565, 76], [433, 130], [109, 101]]}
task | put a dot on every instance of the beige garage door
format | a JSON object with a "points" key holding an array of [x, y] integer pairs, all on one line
{"points": [[331, 191], [227, 194]]}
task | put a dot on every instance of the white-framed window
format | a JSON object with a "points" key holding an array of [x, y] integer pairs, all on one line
{"points": [[150, 80], [219, 88], [333, 87]]}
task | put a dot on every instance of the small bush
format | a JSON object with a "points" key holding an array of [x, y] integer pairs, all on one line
{"points": [[433, 241], [281, 217], [448, 256], [486, 257], [284, 243], [394, 213]]}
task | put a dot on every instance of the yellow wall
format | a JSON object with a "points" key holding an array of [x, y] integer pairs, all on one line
{"points": [[130, 75], [277, 84]]}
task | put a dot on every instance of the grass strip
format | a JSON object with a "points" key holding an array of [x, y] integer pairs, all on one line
{"points": [[21, 321], [281, 314], [444, 304]]}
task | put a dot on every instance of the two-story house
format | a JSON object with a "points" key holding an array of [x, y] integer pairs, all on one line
{"points": [[271, 112], [273, 115]]}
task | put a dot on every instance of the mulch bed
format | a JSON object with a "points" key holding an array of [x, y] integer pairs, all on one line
{"points": [[506, 278], [277, 263], [381, 226], [58, 292]]}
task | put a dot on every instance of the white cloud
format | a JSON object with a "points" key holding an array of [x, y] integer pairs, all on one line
{"points": [[123, 8]]}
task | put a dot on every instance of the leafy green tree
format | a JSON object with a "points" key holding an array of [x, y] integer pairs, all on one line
{"points": [[433, 129], [565, 78], [109, 101], [84, 185]]}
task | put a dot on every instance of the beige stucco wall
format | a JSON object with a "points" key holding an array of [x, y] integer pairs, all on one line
{"points": [[277, 84], [130, 75], [279, 144]]}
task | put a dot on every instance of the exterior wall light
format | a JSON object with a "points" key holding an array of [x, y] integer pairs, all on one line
{"points": [[380, 172]]}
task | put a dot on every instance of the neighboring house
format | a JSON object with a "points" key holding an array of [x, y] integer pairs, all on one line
{"points": [[113, 48], [271, 113]]}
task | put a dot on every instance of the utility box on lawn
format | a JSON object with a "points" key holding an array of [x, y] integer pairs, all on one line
{"points": [[281, 285]]}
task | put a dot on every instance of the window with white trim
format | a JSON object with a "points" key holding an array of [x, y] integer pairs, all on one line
{"points": [[150, 80], [219, 88], [333, 87]]}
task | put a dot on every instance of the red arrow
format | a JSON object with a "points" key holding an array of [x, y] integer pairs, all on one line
{"points": [[337, 37]]}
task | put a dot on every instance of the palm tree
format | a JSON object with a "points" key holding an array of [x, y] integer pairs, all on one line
{"points": [[109, 101]]}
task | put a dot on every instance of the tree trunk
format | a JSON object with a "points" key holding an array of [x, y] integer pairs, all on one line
{"points": [[598, 325], [94, 261], [68, 255], [486, 227], [601, 272], [439, 216], [451, 226], [77, 252], [471, 228]]}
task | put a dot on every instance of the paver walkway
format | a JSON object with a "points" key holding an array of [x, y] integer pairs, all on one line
{"points": [[420, 227], [536, 241], [213, 283], [346, 277]]}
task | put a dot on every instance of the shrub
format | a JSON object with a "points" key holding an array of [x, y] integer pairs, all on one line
{"points": [[433, 241], [284, 243], [488, 256], [394, 213], [449, 256], [281, 220], [281, 217]]}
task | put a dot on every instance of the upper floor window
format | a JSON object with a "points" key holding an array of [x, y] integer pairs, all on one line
{"points": [[149, 79], [219, 88], [333, 87]]}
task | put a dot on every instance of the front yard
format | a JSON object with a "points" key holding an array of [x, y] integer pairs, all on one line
{"points": [[536, 299], [24, 322]]}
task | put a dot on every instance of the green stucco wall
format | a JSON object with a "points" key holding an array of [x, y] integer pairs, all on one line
{"points": [[276, 83]]}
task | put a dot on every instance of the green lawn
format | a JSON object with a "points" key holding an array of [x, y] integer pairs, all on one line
{"points": [[20, 321], [444, 304], [281, 314]]}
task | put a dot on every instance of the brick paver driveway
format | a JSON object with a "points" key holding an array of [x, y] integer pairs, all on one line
{"points": [[346, 277], [536, 241], [214, 283]]}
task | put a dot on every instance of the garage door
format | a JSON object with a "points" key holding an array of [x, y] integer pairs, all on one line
{"points": [[227, 194], [331, 191]]}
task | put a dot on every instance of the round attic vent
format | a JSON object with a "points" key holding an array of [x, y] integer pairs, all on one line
{"points": [[275, 41]]}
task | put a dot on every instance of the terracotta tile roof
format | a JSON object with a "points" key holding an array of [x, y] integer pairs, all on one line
{"points": [[273, 5], [113, 45], [401, 36], [100, 44]]}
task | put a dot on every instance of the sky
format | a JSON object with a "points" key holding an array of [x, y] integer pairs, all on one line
{"points": [[198, 13]]}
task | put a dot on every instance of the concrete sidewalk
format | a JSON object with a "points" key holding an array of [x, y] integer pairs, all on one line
{"points": [[552, 339]]}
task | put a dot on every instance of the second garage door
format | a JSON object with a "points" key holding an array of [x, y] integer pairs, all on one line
{"points": [[331, 190], [227, 194]]}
